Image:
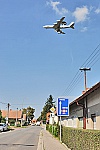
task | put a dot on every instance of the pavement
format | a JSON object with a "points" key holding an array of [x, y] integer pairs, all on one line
{"points": [[49, 142]]}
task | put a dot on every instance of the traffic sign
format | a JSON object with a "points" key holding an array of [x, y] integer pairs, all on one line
{"points": [[62, 107], [52, 109]]}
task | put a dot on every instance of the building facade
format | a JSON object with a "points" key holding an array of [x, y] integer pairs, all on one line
{"points": [[84, 112]]}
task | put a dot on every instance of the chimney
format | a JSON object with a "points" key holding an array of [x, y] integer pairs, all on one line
{"points": [[85, 91]]}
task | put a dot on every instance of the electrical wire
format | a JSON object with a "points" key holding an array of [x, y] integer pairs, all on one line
{"points": [[3, 103], [90, 61]]}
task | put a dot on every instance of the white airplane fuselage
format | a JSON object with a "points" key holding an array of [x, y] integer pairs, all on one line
{"points": [[54, 27], [60, 25]]}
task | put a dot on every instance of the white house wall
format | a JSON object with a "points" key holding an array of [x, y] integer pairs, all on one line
{"points": [[93, 110], [93, 103], [94, 98]]}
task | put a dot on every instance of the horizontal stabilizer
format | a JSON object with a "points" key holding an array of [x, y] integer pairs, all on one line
{"points": [[72, 25]]}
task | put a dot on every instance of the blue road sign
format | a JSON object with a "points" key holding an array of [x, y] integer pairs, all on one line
{"points": [[62, 107]]}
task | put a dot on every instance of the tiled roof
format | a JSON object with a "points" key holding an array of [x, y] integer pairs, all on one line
{"points": [[12, 113]]}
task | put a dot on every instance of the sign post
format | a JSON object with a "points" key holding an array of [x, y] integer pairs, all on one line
{"points": [[52, 109], [62, 109]]}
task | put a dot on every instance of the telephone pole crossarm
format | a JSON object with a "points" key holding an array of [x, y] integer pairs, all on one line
{"points": [[85, 69]]}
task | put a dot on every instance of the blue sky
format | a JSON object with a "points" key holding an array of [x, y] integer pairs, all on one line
{"points": [[35, 62]]}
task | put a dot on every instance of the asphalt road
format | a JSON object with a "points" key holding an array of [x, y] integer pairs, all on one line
{"points": [[20, 139]]}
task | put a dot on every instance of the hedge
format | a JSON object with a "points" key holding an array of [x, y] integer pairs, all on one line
{"points": [[53, 129], [77, 139], [80, 139]]}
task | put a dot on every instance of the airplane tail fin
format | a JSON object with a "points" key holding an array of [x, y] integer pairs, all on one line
{"points": [[72, 25]]}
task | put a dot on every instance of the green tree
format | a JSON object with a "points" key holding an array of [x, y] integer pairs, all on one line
{"points": [[48, 104], [3, 120], [29, 111]]}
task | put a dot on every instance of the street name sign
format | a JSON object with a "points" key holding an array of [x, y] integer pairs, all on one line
{"points": [[62, 107]]}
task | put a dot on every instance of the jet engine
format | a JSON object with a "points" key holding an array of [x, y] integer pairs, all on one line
{"points": [[64, 23]]}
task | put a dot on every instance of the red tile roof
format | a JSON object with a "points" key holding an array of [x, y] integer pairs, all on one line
{"points": [[12, 113]]}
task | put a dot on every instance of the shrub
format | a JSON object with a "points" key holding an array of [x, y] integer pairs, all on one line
{"points": [[81, 139], [77, 139], [12, 122], [18, 125], [53, 129]]}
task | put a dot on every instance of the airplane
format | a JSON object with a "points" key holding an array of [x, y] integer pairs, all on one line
{"points": [[60, 24]]}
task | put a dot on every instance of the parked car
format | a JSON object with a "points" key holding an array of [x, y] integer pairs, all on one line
{"points": [[33, 124], [3, 127], [37, 123]]}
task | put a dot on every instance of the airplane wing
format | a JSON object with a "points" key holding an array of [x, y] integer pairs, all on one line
{"points": [[60, 31], [57, 25], [60, 21]]}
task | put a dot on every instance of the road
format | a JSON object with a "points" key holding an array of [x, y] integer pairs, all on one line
{"points": [[20, 139]]}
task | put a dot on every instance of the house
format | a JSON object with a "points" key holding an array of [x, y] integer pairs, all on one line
{"points": [[48, 117], [52, 118], [12, 114], [84, 112], [15, 115]]}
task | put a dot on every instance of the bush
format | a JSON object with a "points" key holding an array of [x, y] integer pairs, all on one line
{"points": [[53, 129], [80, 139], [3, 120], [12, 122], [18, 125], [77, 139]]}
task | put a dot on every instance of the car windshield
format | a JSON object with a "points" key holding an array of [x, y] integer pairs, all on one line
{"points": [[1, 124]]}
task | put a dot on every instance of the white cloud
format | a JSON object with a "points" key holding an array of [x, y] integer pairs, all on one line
{"points": [[84, 29], [81, 14], [91, 8], [97, 11], [54, 6]]}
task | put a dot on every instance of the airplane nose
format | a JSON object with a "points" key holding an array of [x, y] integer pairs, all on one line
{"points": [[45, 27]]}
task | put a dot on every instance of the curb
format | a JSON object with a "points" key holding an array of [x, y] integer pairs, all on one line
{"points": [[40, 143]]}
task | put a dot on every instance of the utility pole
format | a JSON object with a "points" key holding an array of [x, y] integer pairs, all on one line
{"points": [[27, 116], [85, 103], [16, 116], [85, 69], [8, 105]]}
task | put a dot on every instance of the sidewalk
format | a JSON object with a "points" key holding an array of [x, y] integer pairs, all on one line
{"points": [[48, 142]]}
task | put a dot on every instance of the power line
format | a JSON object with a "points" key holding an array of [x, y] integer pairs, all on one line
{"points": [[90, 61], [3, 103], [73, 84], [27, 104], [93, 54], [93, 57]]}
